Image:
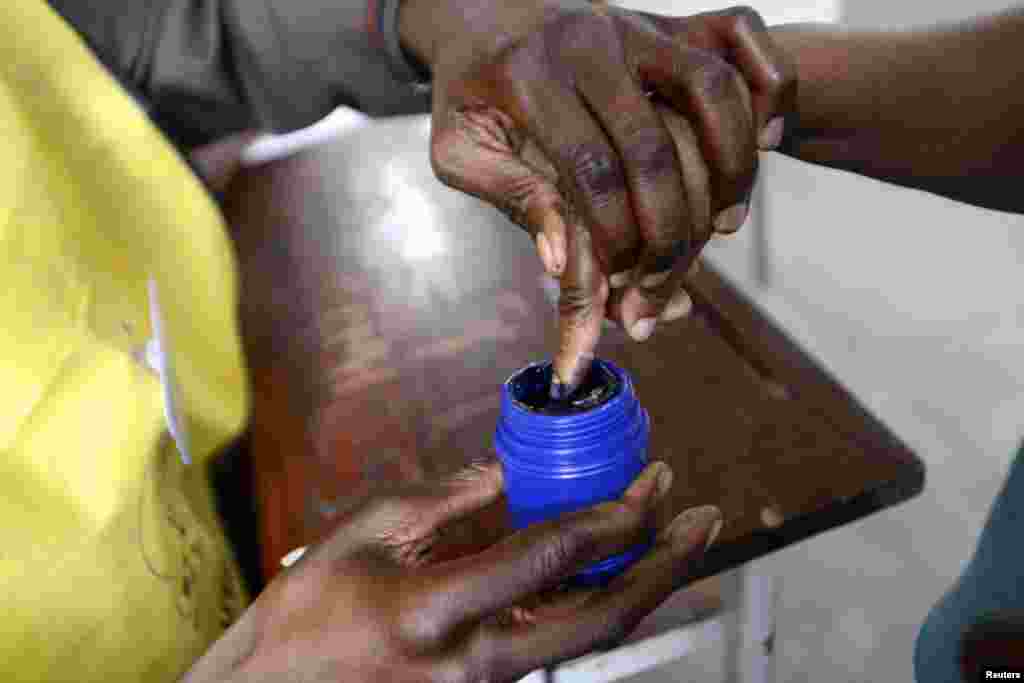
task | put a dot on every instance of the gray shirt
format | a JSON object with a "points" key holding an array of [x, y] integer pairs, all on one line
{"points": [[206, 68]]}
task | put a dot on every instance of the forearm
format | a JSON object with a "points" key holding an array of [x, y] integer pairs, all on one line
{"points": [[212, 67], [940, 110], [427, 26]]}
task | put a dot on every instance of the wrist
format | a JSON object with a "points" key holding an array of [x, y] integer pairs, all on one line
{"points": [[789, 38], [820, 66], [807, 46], [449, 30]]}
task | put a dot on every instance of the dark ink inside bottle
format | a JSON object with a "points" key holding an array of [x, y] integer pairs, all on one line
{"points": [[530, 388]]}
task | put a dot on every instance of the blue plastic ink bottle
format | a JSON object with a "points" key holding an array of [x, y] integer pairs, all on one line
{"points": [[563, 456]]}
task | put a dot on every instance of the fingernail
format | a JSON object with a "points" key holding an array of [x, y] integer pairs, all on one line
{"points": [[771, 516], [730, 220], [474, 471], [691, 523], [716, 529], [651, 480], [293, 557], [554, 232], [643, 329], [664, 481], [546, 255], [771, 135], [678, 306], [619, 280], [653, 280], [523, 616]]}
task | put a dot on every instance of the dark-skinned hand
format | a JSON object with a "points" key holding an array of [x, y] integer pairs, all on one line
{"points": [[219, 162], [367, 604], [555, 111]]}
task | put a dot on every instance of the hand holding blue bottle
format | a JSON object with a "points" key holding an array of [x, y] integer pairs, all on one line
{"points": [[559, 456], [368, 601]]}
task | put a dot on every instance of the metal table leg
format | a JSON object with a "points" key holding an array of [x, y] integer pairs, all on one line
{"points": [[750, 625], [762, 248]]}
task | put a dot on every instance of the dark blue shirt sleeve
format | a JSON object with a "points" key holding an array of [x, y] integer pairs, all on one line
{"points": [[207, 68]]}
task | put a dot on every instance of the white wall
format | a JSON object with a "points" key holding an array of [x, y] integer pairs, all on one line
{"points": [[876, 13], [775, 12], [903, 13]]}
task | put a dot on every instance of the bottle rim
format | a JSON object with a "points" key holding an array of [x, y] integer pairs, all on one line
{"points": [[616, 375], [573, 443]]}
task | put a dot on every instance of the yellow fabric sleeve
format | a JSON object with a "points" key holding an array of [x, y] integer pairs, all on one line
{"points": [[113, 566]]}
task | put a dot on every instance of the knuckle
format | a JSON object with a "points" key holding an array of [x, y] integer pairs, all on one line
{"points": [[659, 286], [509, 58], [386, 505], [419, 628], [522, 196], [595, 170], [373, 510], [666, 250], [578, 307], [630, 515], [783, 74], [747, 15], [774, 82], [560, 551], [459, 671], [556, 555], [787, 65], [737, 168], [651, 154], [780, 77], [391, 518], [633, 517], [658, 297], [735, 154], [623, 520], [508, 65], [715, 78], [575, 30], [576, 302]]}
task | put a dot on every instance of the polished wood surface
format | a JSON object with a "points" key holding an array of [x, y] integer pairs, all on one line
{"points": [[381, 313]]}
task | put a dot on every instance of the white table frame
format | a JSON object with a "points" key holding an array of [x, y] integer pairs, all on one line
{"points": [[746, 625]]}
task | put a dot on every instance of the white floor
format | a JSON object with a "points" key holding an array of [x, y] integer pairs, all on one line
{"points": [[914, 303]]}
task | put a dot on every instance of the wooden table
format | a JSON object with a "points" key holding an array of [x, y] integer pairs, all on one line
{"points": [[381, 313]]}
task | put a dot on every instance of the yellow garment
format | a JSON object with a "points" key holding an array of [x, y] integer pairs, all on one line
{"points": [[112, 565]]}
